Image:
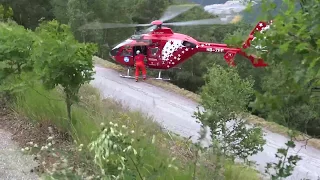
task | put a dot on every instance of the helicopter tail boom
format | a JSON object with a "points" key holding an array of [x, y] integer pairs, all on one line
{"points": [[230, 53]]}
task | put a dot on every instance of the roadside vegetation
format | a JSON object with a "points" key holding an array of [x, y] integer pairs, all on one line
{"points": [[45, 71]]}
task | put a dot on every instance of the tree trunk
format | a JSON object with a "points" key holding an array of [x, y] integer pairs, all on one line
{"points": [[69, 103]]}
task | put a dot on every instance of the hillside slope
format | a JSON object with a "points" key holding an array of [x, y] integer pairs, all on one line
{"points": [[174, 113]]}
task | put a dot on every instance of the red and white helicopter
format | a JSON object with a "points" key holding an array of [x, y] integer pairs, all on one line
{"points": [[165, 49]]}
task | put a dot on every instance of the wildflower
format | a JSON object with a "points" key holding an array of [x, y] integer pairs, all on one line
{"points": [[116, 125], [102, 124], [27, 149], [50, 130], [110, 123], [35, 145], [132, 131], [50, 138], [22, 150], [124, 127], [81, 145], [49, 144]]}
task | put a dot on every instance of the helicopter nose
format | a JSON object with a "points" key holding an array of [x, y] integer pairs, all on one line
{"points": [[112, 57]]}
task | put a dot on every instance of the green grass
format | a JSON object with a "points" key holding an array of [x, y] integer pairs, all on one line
{"points": [[38, 105]]}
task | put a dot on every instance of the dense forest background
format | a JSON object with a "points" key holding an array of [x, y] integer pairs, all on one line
{"points": [[290, 101]]}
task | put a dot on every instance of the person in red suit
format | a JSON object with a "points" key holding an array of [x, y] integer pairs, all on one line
{"points": [[139, 62]]}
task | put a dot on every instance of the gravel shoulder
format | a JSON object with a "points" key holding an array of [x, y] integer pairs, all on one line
{"points": [[13, 163]]}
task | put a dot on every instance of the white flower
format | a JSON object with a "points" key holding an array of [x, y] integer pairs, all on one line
{"points": [[101, 124], [22, 150], [50, 129], [132, 131], [49, 144], [27, 149], [35, 145], [50, 137]]}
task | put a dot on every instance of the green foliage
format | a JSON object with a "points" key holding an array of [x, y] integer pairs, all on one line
{"points": [[15, 50], [61, 60], [225, 87], [5, 13], [284, 167], [287, 93], [224, 99]]}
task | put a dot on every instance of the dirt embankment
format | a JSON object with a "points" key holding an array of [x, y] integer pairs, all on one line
{"points": [[15, 133]]}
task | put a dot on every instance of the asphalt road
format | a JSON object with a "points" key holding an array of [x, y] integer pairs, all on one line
{"points": [[174, 113], [13, 164]]}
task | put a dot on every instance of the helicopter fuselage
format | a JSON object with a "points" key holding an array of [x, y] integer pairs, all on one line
{"points": [[165, 49]]}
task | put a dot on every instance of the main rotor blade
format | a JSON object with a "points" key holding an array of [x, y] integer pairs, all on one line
{"points": [[97, 25], [197, 22], [149, 29], [175, 10]]}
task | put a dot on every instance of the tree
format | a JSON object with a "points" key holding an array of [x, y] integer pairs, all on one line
{"points": [[15, 50], [61, 60], [28, 12], [288, 93], [5, 13], [224, 98]]}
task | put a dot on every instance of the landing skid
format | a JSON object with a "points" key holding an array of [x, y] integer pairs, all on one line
{"points": [[132, 77], [160, 78], [128, 75]]}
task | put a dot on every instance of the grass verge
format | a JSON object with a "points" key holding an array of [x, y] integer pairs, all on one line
{"points": [[42, 106], [271, 126]]}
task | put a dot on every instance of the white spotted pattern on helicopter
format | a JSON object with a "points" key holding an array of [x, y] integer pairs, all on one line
{"points": [[170, 47]]}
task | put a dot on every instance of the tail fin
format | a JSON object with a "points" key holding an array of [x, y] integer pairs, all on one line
{"points": [[256, 62]]}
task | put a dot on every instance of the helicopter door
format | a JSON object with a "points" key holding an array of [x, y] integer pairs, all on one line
{"points": [[127, 55], [153, 56]]}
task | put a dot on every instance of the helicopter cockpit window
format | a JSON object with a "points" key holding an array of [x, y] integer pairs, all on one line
{"points": [[126, 52], [114, 51]]}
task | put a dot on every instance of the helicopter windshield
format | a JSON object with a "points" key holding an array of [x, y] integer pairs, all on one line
{"points": [[116, 49]]}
